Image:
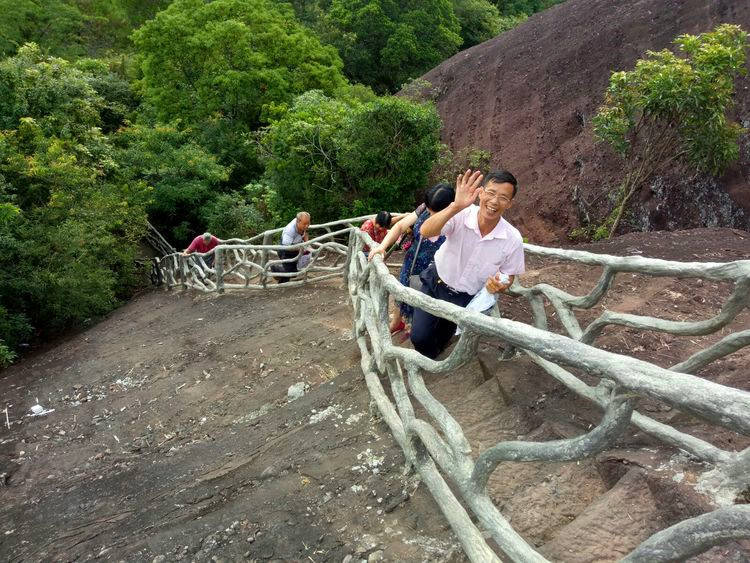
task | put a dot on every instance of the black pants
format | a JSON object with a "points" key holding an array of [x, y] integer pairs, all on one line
{"points": [[430, 334], [288, 267]]}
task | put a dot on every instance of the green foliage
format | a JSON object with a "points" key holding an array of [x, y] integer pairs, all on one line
{"points": [[237, 214], [225, 67], [386, 149], [55, 24], [69, 221], [479, 19], [523, 7], [109, 23], [50, 90], [184, 176], [674, 108], [231, 58], [384, 43], [334, 158], [300, 155], [73, 28], [118, 101], [7, 356], [419, 90], [509, 22]]}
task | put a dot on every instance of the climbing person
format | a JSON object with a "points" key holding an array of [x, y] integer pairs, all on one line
{"points": [[378, 228], [294, 233], [421, 251], [202, 244], [481, 249]]}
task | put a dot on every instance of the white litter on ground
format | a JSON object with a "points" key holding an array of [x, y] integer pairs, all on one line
{"points": [[333, 410]]}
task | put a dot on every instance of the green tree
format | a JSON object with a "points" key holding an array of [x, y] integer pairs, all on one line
{"points": [[336, 158], [230, 57], [109, 23], [184, 176], [58, 96], [674, 109], [301, 160], [385, 42], [69, 221], [523, 7], [387, 149], [227, 66], [55, 24], [119, 102], [479, 19], [239, 214]]}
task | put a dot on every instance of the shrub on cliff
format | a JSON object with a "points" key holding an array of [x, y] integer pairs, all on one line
{"points": [[673, 109]]}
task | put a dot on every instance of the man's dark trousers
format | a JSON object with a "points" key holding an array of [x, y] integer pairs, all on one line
{"points": [[430, 334], [288, 267]]}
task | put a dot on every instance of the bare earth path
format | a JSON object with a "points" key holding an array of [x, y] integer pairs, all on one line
{"points": [[172, 436]]}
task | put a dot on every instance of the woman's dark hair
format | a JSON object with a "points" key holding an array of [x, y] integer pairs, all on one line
{"points": [[439, 196], [383, 218]]}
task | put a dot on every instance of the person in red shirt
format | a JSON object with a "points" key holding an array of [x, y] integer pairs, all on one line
{"points": [[202, 244], [378, 228]]}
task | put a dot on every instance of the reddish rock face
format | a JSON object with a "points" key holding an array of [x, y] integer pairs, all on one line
{"points": [[528, 97]]}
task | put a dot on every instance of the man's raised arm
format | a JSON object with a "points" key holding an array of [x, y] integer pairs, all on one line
{"points": [[467, 189]]}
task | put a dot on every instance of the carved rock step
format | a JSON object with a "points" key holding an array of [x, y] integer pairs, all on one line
{"points": [[611, 526], [537, 498]]}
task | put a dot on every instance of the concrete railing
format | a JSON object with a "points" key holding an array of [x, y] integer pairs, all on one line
{"points": [[247, 264], [438, 449]]}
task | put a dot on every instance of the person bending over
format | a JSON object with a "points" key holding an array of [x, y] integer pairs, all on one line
{"points": [[378, 228], [294, 233], [201, 244], [479, 246]]}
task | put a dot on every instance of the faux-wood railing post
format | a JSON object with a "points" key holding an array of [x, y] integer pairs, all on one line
{"points": [[181, 266], [264, 255], [219, 269]]}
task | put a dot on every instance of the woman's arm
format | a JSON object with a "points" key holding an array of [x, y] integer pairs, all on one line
{"points": [[398, 216], [393, 234]]}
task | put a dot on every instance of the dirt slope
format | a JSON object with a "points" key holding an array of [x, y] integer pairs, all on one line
{"points": [[528, 96], [172, 438]]}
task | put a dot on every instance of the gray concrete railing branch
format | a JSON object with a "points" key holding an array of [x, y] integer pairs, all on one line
{"points": [[440, 443], [437, 446], [737, 272]]}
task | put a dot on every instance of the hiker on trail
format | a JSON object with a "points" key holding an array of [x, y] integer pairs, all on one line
{"points": [[202, 244], [378, 228], [294, 233], [480, 246], [421, 251]]}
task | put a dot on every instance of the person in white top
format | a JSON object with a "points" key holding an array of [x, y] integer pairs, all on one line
{"points": [[480, 246], [294, 233]]}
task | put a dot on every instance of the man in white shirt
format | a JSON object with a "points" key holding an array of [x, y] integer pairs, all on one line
{"points": [[294, 233], [479, 246]]}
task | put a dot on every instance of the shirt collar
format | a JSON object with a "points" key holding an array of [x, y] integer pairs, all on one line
{"points": [[472, 222]]}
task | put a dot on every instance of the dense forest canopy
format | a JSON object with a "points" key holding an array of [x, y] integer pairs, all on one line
{"points": [[228, 115]]}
